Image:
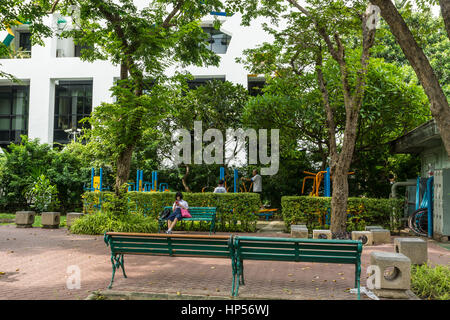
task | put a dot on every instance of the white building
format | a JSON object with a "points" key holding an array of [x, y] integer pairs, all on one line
{"points": [[57, 89]]}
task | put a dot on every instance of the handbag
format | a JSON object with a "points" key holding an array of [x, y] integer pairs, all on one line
{"points": [[185, 213]]}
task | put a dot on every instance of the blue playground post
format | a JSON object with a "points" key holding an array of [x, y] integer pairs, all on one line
{"points": [[137, 181], [154, 180], [92, 178], [327, 183], [222, 173], [101, 179], [327, 191], [418, 193], [235, 180], [430, 205]]}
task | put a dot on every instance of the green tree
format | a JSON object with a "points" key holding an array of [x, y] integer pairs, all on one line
{"points": [[439, 105], [218, 105], [143, 42]]}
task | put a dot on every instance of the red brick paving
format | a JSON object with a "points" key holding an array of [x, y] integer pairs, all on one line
{"points": [[34, 263]]}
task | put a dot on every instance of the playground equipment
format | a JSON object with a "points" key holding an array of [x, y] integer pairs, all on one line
{"points": [[317, 178], [421, 220], [235, 182], [96, 182], [145, 186]]}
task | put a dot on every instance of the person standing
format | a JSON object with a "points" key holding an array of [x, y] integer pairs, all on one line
{"points": [[257, 181]]}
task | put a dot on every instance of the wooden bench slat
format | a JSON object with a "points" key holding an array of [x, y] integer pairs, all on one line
{"points": [[174, 241], [173, 247], [161, 235]]}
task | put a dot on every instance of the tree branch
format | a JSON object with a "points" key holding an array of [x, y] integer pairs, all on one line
{"points": [[166, 23]]}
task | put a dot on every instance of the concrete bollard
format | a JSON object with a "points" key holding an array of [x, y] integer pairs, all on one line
{"points": [[322, 234], [415, 249], [381, 236], [50, 220], [370, 228], [366, 237], [299, 231], [25, 219], [395, 271], [71, 217]]}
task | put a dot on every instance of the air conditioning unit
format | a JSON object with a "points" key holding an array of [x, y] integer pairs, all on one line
{"points": [[59, 53]]}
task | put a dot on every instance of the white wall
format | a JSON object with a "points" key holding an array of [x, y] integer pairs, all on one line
{"points": [[43, 68]]}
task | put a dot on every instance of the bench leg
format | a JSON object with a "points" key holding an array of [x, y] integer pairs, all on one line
{"points": [[113, 271], [357, 279], [117, 262], [123, 266], [238, 270], [242, 273], [233, 269]]}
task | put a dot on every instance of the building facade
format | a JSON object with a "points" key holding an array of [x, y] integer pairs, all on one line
{"points": [[425, 142], [57, 88]]}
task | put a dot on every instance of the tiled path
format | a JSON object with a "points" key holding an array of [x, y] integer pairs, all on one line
{"points": [[34, 262]]}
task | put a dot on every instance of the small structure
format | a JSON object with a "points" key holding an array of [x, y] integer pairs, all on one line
{"points": [[322, 234], [25, 219], [299, 231], [414, 248], [370, 228], [50, 220], [366, 237], [71, 217], [381, 236], [394, 274]]}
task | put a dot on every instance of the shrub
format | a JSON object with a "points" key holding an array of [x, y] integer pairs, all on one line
{"points": [[43, 196], [313, 212], [103, 221], [431, 283], [234, 210]]}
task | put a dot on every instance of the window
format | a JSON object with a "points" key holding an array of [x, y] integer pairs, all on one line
{"points": [[13, 113], [199, 81], [25, 41], [218, 41], [78, 49], [255, 85], [73, 102]]}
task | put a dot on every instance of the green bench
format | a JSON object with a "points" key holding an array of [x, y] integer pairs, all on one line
{"points": [[207, 214], [173, 245], [296, 249]]}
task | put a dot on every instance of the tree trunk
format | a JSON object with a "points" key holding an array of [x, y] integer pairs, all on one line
{"points": [[123, 168], [439, 106], [445, 11], [339, 201], [184, 179]]}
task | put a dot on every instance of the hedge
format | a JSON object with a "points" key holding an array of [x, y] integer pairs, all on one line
{"points": [[312, 211], [234, 210]]}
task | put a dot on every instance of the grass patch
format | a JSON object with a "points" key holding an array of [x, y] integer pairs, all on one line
{"points": [[101, 222], [431, 283]]}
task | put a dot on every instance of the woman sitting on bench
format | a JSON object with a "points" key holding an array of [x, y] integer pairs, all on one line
{"points": [[176, 212]]}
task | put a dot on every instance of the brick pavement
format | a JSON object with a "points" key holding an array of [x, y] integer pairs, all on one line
{"points": [[34, 263]]}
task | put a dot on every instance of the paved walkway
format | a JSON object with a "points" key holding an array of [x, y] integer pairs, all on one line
{"points": [[34, 262]]}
